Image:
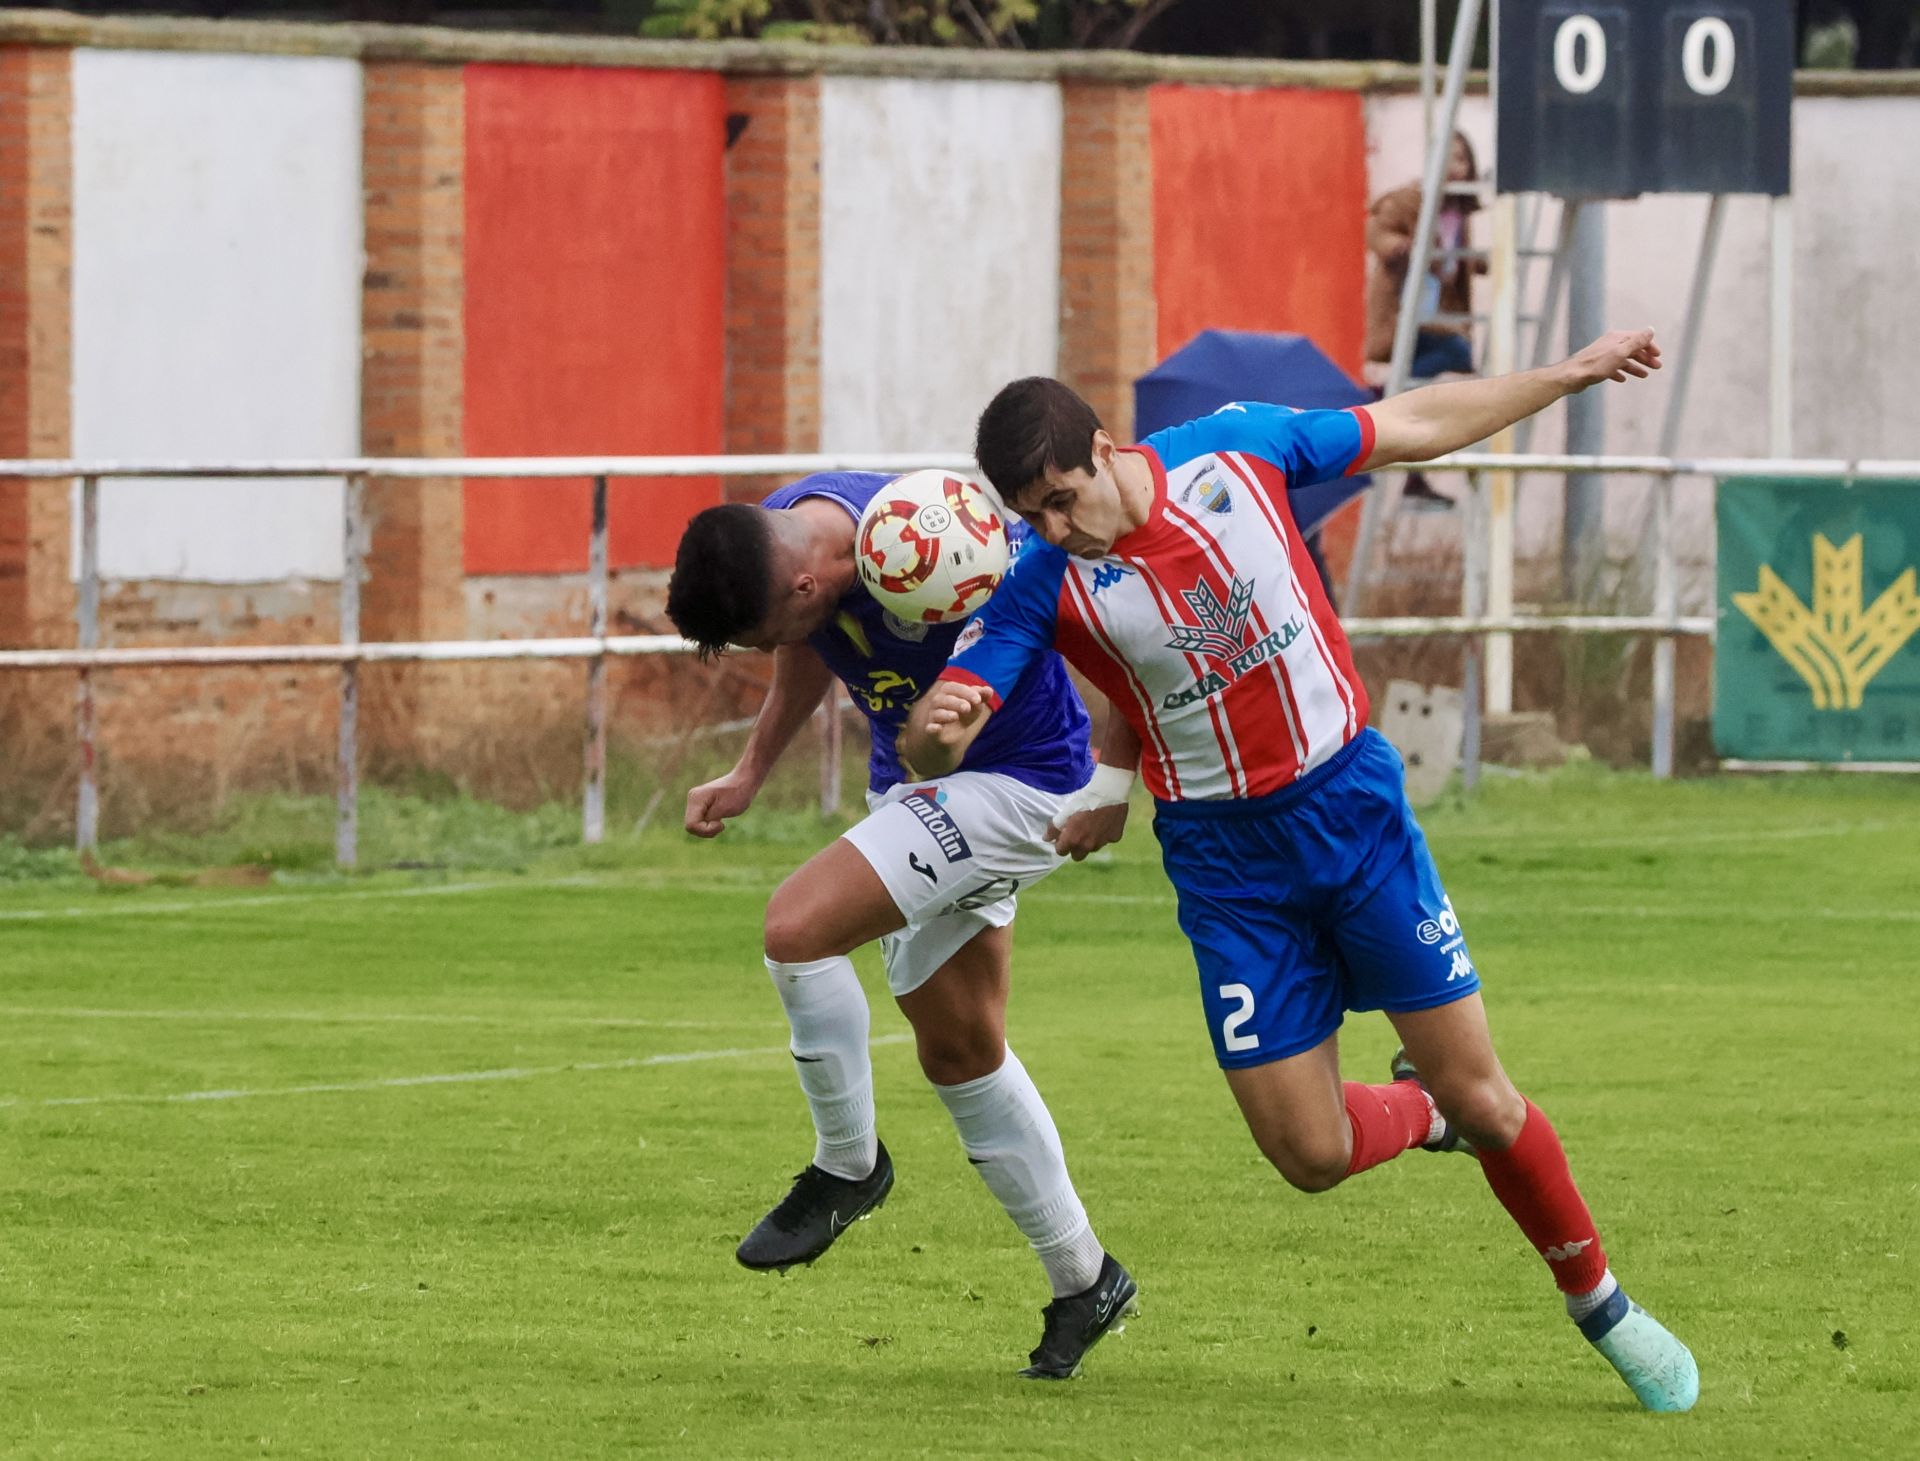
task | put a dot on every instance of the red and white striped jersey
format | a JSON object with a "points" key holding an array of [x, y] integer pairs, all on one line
{"points": [[1207, 626]]}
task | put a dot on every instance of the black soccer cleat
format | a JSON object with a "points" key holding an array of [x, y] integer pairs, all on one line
{"points": [[1078, 1322], [818, 1210], [1450, 1140]]}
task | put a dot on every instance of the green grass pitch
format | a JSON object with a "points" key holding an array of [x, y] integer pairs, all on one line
{"points": [[398, 1166]]}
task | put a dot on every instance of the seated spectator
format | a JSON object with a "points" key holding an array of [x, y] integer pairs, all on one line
{"points": [[1444, 343]]}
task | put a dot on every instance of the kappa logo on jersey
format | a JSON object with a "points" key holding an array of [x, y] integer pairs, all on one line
{"points": [[1221, 635], [1108, 574], [928, 803]]}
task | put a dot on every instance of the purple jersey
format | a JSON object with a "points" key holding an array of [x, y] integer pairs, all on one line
{"points": [[1039, 736]]}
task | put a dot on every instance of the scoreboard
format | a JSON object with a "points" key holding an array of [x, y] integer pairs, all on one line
{"points": [[1618, 97]]}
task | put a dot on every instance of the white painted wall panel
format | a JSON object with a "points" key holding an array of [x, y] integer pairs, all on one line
{"points": [[1856, 313], [940, 254], [216, 301]]}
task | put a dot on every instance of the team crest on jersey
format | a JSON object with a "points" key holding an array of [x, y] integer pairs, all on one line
{"points": [[1223, 635], [1209, 494], [904, 628]]}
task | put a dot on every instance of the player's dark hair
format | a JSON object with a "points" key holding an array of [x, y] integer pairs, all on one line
{"points": [[1033, 425], [720, 575]]}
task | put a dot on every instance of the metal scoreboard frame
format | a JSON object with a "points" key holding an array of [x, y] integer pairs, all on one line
{"points": [[1614, 98]]}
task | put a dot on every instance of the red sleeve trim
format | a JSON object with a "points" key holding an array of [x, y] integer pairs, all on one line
{"points": [[968, 677], [1366, 440]]}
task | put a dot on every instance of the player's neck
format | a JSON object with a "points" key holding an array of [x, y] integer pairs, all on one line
{"points": [[1133, 476], [826, 544]]}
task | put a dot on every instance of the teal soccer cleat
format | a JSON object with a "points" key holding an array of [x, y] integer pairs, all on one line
{"points": [[1657, 1367]]}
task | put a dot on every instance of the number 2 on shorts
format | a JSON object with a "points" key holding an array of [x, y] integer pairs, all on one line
{"points": [[1230, 1026]]}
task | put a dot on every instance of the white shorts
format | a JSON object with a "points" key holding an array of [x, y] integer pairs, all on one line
{"points": [[954, 854]]}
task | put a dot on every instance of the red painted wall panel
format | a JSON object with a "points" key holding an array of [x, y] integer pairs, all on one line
{"points": [[1259, 214], [595, 297]]}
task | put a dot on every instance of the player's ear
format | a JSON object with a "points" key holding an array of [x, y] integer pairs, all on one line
{"points": [[1104, 447]]}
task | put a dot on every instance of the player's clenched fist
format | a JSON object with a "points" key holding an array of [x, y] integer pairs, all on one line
{"points": [[953, 709], [709, 805]]}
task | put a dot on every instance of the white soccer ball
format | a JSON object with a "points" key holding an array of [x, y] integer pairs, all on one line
{"points": [[931, 546]]}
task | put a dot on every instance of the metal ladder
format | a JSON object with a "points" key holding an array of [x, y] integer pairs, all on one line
{"points": [[1380, 505]]}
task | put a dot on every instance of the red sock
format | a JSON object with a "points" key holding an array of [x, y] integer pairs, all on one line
{"points": [[1386, 1121], [1532, 1182]]}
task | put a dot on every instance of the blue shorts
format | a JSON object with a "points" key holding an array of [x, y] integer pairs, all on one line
{"points": [[1316, 899]]}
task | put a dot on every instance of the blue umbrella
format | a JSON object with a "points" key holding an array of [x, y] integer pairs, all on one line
{"points": [[1219, 366]]}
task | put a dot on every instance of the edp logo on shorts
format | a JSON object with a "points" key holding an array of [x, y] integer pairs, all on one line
{"points": [[928, 804], [1432, 930]]}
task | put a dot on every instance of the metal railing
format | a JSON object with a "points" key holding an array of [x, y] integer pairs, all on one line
{"points": [[1665, 623]]}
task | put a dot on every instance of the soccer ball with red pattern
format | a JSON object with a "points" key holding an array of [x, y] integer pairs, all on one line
{"points": [[931, 546]]}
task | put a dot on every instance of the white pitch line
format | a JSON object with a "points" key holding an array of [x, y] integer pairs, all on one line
{"points": [[1673, 835], [1711, 912], [321, 1017], [316, 898], [404, 1082], [703, 880]]}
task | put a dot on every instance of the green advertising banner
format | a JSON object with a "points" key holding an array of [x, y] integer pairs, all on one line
{"points": [[1817, 656]]}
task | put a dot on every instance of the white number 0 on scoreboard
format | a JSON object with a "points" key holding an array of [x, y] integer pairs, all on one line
{"points": [[1580, 54]]}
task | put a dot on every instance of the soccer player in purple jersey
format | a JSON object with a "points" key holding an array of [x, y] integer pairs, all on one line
{"points": [[1173, 576], [932, 873]]}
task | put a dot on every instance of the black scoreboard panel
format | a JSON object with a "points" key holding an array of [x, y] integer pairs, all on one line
{"points": [[1618, 97]]}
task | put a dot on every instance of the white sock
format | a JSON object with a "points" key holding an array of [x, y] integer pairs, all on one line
{"points": [[1581, 1305], [1012, 1141], [1437, 1124], [827, 1011]]}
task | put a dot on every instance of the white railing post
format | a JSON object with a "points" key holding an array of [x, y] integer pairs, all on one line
{"points": [[832, 741], [346, 821], [1780, 343], [86, 817], [593, 805], [1473, 603], [1666, 602]]}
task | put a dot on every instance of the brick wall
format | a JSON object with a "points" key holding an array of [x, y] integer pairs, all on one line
{"points": [[36, 253], [413, 347], [773, 271], [36, 263], [1106, 247]]}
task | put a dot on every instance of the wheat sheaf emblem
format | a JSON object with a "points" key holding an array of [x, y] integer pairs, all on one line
{"points": [[1838, 643]]}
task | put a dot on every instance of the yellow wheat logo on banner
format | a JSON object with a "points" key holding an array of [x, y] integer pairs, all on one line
{"points": [[1839, 644]]}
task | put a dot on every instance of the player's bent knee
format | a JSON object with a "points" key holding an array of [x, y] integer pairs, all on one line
{"points": [[1312, 1176], [1488, 1113], [793, 935], [947, 1061], [1307, 1166]]}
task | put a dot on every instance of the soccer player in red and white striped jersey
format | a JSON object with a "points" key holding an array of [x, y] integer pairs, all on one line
{"points": [[1173, 576]]}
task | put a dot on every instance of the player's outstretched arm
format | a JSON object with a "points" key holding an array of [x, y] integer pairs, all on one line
{"points": [[943, 723], [800, 678], [1418, 426]]}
